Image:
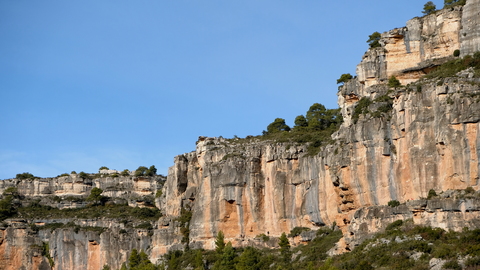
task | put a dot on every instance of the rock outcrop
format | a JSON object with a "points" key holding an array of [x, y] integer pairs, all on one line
{"points": [[406, 142], [412, 51], [395, 144]]}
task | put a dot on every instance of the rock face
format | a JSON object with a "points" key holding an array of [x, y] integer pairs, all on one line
{"points": [[74, 185], [427, 138], [22, 247], [401, 144], [410, 52]]}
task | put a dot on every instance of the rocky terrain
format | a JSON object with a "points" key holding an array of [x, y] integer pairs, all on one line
{"points": [[396, 144]]}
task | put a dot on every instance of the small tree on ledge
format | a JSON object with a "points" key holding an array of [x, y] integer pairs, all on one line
{"points": [[394, 82], [374, 40], [344, 78]]}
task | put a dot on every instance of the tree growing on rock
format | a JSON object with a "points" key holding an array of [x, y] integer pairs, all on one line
{"points": [[429, 8], [278, 125], [345, 77], [96, 196], [301, 121], [374, 40], [394, 82]]}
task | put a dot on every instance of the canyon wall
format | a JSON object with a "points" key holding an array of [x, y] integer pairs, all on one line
{"points": [[412, 51], [427, 140], [403, 143]]}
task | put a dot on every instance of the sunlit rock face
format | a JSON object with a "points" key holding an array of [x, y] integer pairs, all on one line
{"points": [[424, 137], [411, 51], [427, 140]]}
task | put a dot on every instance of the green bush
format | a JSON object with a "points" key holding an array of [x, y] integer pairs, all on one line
{"points": [[141, 171], [394, 225], [374, 40], [297, 231], [429, 8], [84, 175], [452, 3], [264, 237], [394, 82], [278, 125], [431, 194], [452, 264], [361, 108], [25, 175], [452, 67], [456, 53], [393, 203], [145, 225], [344, 78]]}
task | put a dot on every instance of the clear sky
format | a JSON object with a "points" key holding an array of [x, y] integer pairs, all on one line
{"points": [[122, 83]]}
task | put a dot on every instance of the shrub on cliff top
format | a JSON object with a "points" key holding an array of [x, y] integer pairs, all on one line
{"points": [[344, 78], [278, 125], [452, 3], [373, 40], [25, 175], [429, 8]]}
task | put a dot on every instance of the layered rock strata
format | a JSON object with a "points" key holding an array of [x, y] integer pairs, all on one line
{"points": [[412, 51], [403, 143]]}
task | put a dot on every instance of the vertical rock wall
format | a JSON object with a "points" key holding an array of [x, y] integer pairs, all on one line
{"points": [[428, 140], [410, 52]]}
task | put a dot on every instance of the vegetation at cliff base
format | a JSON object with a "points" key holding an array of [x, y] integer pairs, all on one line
{"points": [[227, 257]]}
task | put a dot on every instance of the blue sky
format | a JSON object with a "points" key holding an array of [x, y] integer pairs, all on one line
{"points": [[123, 84]]}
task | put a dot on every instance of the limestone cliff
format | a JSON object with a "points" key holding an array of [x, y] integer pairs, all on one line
{"points": [[412, 51], [394, 144], [405, 142]]}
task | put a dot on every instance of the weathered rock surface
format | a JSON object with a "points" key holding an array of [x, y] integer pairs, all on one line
{"points": [[49, 191], [410, 52], [22, 247], [427, 140], [406, 142]]}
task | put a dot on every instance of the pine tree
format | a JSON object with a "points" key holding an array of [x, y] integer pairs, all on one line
{"points": [[285, 253], [227, 261], [429, 8], [220, 242], [249, 260], [134, 259]]}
